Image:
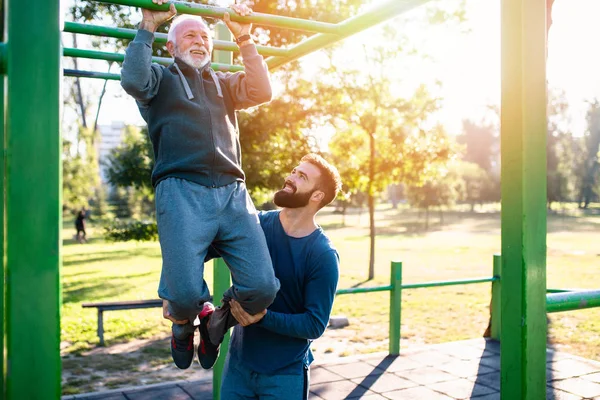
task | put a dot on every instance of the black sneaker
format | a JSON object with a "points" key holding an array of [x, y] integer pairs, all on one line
{"points": [[182, 351], [207, 352]]}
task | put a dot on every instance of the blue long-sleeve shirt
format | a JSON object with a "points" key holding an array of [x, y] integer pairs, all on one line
{"points": [[308, 270]]}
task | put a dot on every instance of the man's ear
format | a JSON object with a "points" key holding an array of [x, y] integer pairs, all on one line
{"points": [[171, 48], [317, 196]]}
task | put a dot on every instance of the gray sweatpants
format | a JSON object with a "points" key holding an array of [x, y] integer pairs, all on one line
{"points": [[190, 218]]}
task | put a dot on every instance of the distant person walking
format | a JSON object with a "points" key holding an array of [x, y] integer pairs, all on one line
{"points": [[80, 226]]}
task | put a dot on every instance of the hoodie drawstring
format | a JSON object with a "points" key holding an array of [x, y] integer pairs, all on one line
{"points": [[216, 81], [185, 83]]}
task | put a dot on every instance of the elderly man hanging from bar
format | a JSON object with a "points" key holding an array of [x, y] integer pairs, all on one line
{"points": [[201, 197]]}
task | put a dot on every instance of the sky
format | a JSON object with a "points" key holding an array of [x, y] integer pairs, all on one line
{"points": [[466, 61]]}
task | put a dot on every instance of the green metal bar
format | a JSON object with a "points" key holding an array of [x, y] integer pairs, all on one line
{"points": [[221, 272], [3, 58], [496, 303], [395, 307], [3, 365], [569, 301], [33, 200], [448, 283], [378, 14], [91, 74], [416, 285], [217, 12], [3, 243], [564, 290], [123, 33], [364, 290], [102, 55], [523, 220]]}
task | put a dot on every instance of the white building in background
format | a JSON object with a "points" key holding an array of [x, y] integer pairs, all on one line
{"points": [[111, 136]]}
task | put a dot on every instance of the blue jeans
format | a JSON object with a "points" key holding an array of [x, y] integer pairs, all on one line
{"points": [[191, 217], [241, 383]]}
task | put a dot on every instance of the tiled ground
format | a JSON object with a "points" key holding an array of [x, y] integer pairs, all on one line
{"points": [[458, 370]]}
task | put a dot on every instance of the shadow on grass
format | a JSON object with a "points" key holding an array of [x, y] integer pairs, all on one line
{"points": [[100, 256], [72, 242], [74, 292], [120, 369], [412, 223]]}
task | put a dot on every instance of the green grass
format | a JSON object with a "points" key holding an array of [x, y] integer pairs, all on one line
{"points": [[460, 248]]}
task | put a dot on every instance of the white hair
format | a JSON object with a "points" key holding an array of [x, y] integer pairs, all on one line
{"points": [[171, 36]]}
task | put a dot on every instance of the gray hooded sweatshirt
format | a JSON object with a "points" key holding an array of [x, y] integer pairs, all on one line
{"points": [[191, 113]]}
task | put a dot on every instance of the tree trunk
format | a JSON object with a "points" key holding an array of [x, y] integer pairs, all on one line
{"points": [[371, 201], [100, 103], [79, 93]]}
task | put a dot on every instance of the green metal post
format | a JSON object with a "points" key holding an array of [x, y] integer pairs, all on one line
{"points": [[523, 143], [221, 284], [496, 305], [2, 208], [33, 201], [3, 244], [221, 273], [395, 307], [2, 212]]}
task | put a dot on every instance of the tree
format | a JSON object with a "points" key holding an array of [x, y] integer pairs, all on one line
{"points": [[440, 191], [476, 182], [481, 143], [560, 151], [380, 136], [590, 168], [274, 137], [131, 163], [80, 173], [129, 168]]}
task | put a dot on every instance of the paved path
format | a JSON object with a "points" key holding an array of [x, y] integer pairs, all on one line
{"points": [[458, 370]]}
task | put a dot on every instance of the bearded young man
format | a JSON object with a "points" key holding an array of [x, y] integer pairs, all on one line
{"points": [[201, 197], [269, 354]]}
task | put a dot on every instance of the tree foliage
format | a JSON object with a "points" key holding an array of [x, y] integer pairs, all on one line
{"points": [[589, 169], [443, 190], [80, 172], [131, 163], [380, 137], [274, 137], [560, 151]]}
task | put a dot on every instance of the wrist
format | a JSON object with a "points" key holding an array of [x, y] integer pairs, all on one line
{"points": [[148, 26], [244, 40]]}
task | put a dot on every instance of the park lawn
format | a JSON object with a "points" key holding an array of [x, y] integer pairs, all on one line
{"points": [[460, 248]]}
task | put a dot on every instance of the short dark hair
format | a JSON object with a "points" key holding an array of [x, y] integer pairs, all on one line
{"points": [[330, 182]]}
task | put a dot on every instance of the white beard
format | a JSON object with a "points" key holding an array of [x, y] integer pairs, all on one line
{"points": [[188, 59]]}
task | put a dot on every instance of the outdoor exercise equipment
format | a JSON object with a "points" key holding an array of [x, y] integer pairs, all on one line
{"points": [[30, 55]]}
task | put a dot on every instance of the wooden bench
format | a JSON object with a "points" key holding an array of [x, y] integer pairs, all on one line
{"points": [[118, 305]]}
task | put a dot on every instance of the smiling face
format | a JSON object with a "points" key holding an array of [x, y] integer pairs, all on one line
{"points": [[193, 43], [300, 187]]}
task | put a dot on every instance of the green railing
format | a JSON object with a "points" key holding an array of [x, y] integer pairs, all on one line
{"points": [[572, 300], [396, 287]]}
